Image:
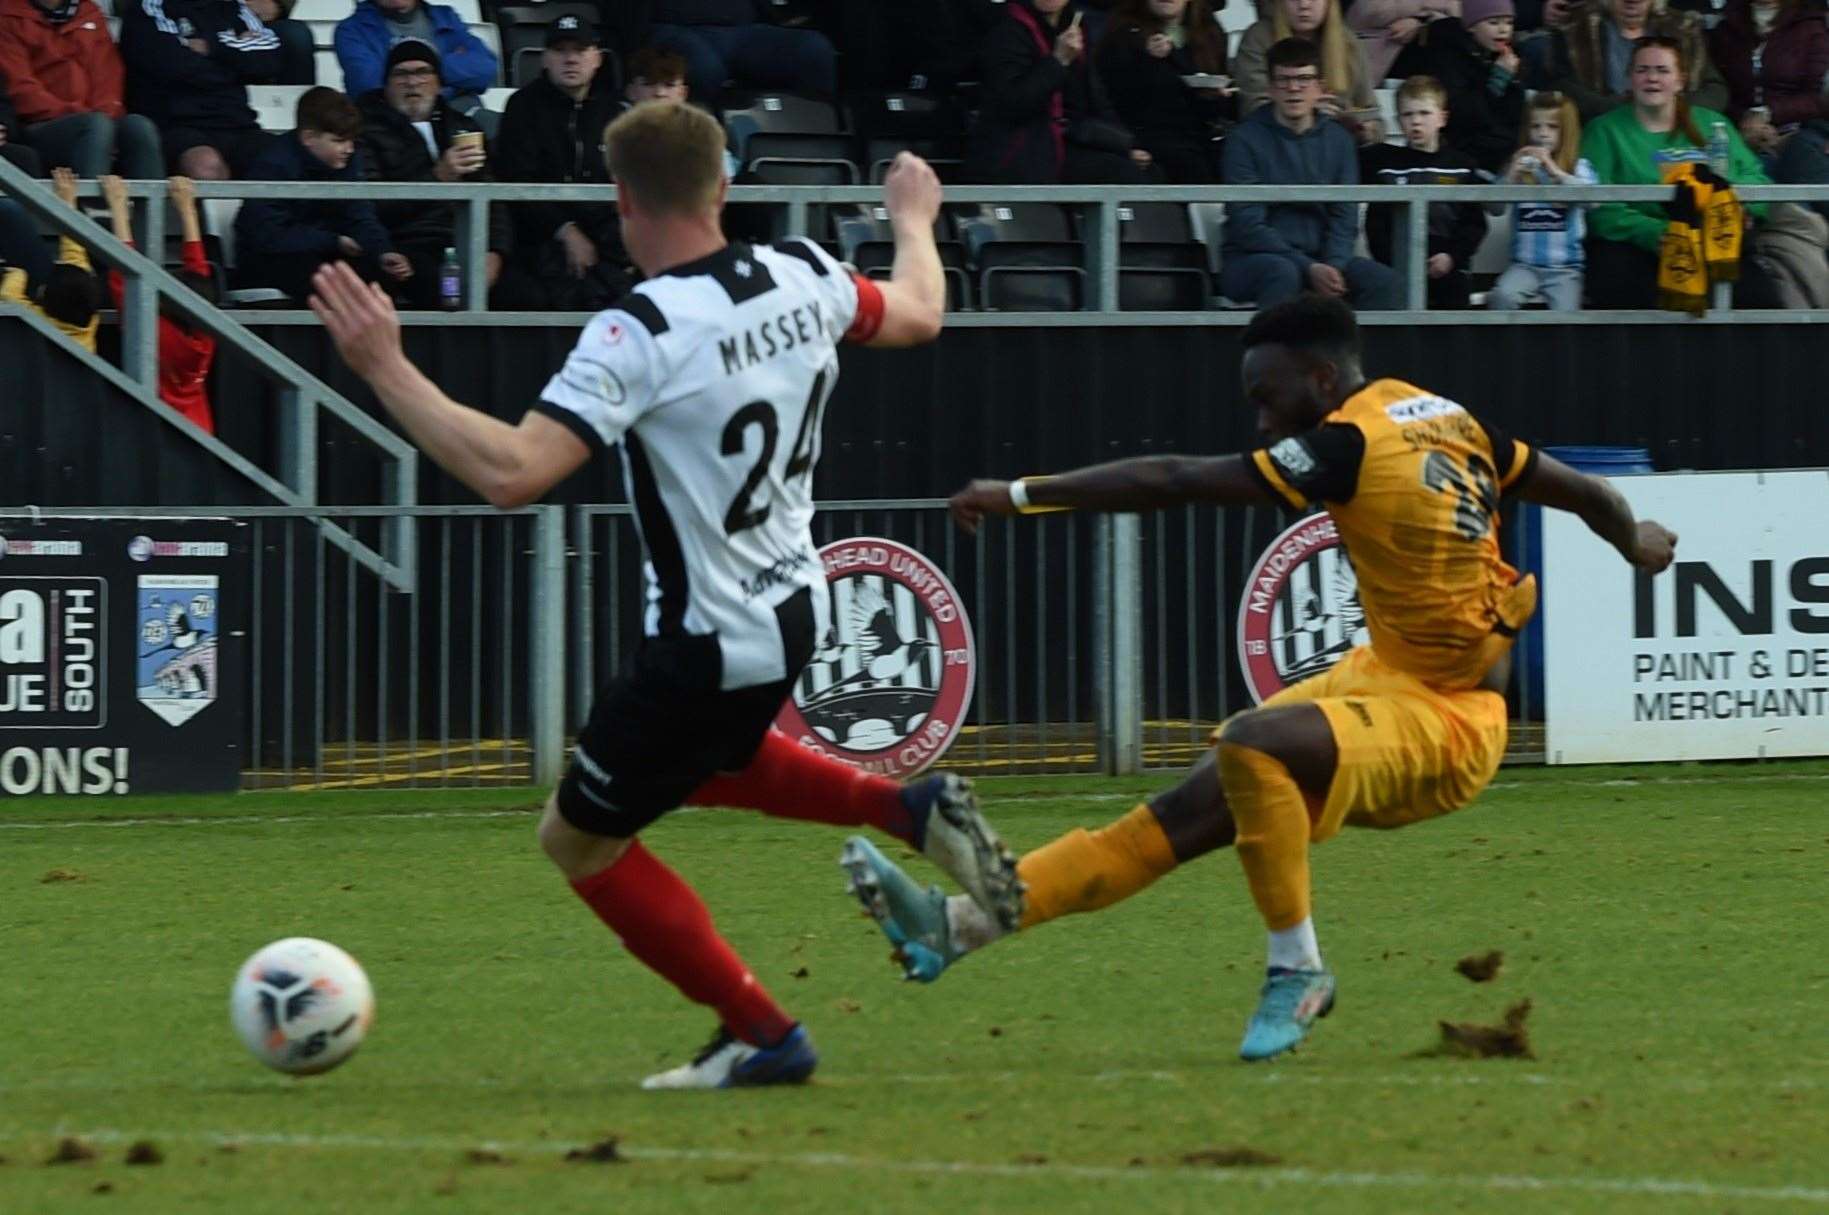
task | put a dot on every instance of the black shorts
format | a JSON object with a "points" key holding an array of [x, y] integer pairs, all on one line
{"points": [[662, 728], [239, 146]]}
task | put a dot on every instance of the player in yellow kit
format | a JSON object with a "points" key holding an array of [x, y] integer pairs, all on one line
{"points": [[1407, 728]]}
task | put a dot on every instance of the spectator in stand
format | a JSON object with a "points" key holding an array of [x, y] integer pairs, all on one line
{"points": [[65, 79], [1589, 57], [1774, 55], [364, 38], [655, 75], [1629, 146], [1346, 95], [66, 293], [1455, 229], [298, 51], [11, 150], [280, 242], [1474, 60], [185, 349], [728, 40], [568, 256], [1547, 255], [1274, 251], [410, 133], [1148, 47], [1043, 118], [189, 63], [1388, 32]]}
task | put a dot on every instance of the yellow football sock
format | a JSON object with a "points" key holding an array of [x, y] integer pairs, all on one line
{"points": [[1086, 870], [1273, 829]]}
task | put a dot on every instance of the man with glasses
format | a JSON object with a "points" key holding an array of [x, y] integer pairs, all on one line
{"points": [[411, 133], [1275, 251]]}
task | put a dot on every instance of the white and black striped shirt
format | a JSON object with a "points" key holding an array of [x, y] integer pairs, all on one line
{"points": [[713, 377]]}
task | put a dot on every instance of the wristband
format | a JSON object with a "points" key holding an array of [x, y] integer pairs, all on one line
{"points": [[1019, 498]]}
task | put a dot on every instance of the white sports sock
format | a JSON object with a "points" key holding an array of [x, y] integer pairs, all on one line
{"points": [[1296, 948], [971, 928]]}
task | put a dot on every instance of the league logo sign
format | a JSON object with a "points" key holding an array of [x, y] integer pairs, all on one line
{"points": [[175, 675], [888, 688], [53, 653], [1301, 611]]}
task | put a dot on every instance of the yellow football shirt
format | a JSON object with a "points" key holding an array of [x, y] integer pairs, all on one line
{"points": [[1413, 482]]}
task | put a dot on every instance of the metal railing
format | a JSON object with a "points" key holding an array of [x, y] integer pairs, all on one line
{"points": [[1105, 643], [145, 287], [1100, 205]]}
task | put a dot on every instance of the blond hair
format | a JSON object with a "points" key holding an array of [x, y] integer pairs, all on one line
{"points": [[1568, 124], [1423, 88], [668, 155], [1340, 65]]}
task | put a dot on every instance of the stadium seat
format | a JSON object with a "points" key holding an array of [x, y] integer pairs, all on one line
{"points": [[330, 72], [887, 123], [786, 139], [323, 34], [866, 240], [497, 99], [1026, 256], [275, 105], [323, 10], [1162, 263]]}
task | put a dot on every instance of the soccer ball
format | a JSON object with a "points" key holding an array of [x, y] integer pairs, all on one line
{"points": [[301, 1005]]}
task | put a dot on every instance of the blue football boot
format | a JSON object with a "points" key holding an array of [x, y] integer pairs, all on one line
{"points": [[1288, 1007], [914, 919]]}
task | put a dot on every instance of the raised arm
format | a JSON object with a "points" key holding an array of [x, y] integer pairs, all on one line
{"points": [[1648, 545], [1122, 486], [507, 465], [914, 298]]}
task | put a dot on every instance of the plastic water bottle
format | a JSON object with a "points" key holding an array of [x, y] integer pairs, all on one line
{"points": [[450, 282], [1720, 149]]}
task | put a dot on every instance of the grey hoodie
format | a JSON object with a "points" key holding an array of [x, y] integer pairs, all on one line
{"points": [[1262, 151]]}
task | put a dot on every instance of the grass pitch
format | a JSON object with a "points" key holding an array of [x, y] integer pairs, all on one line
{"points": [[1668, 927]]}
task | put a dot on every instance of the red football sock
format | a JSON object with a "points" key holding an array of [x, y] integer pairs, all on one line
{"points": [[788, 780], [662, 921]]}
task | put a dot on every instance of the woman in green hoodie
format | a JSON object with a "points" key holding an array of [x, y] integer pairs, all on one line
{"points": [[1630, 146]]}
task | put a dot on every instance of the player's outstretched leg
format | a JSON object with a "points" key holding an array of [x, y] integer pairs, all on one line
{"points": [[1080, 871], [1259, 754], [937, 814], [663, 922]]}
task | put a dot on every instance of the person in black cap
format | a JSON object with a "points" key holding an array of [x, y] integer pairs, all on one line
{"points": [[568, 255], [411, 133]]}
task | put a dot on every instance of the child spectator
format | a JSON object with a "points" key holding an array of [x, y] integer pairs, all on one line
{"points": [[67, 293], [1455, 229], [189, 64], [280, 242], [1148, 49], [1346, 93], [65, 79], [1475, 61], [1547, 254], [185, 350], [660, 75]]}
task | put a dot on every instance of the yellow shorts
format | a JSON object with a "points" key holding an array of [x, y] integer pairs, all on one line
{"points": [[1407, 751]]}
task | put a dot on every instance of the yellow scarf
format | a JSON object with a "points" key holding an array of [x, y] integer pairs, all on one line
{"points": [[1701, 244]]}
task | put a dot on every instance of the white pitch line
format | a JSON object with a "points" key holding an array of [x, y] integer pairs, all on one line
{"points": [[1256, 1175]]}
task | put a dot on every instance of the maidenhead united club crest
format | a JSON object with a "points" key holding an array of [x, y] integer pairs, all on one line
{"points": [[889, 685], [1301, 611]]}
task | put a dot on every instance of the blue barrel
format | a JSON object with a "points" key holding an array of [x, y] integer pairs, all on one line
{"points": [[1602, 461]]}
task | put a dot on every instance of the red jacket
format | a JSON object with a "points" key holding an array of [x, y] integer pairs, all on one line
{"points": [[184, 356], [54, 71], [1791, 70]]}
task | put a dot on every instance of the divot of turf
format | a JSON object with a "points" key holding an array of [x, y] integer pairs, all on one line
{"points": [[1481, 968], [485, 1156], [604, 1151], [1230, 1157], [54, 876], [145, 1151], [1466, 1040], [71, 1150]]}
